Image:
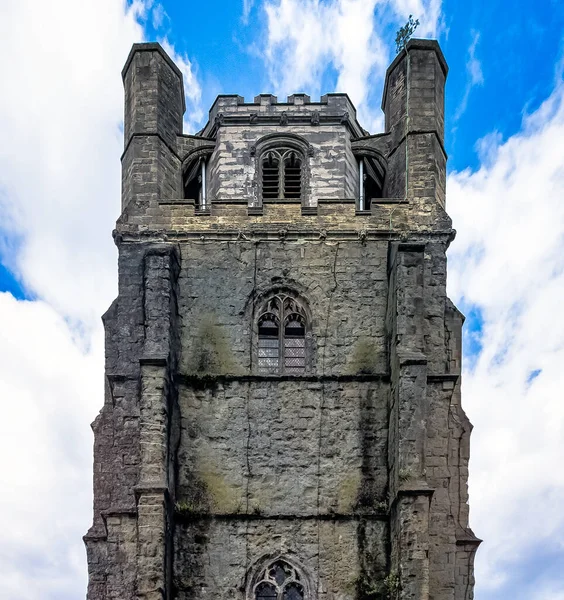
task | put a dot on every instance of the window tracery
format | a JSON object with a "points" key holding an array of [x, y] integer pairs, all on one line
{"points": [[282, 336], [279, 581]]}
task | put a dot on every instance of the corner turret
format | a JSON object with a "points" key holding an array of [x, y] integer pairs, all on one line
{"points": [[154, 107], [413, 104]]}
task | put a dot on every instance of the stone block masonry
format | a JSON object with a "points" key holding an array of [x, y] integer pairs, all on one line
{"points": [[282, 414]]}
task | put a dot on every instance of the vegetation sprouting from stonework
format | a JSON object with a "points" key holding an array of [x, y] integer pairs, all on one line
{"points": [[363, 359], [369, 588], [211, 353], [392, 585], [404, 33], [405, 475]]}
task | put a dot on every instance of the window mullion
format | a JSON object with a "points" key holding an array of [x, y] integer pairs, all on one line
{"points": [[281, 177], [281, 357], [282, 343]]}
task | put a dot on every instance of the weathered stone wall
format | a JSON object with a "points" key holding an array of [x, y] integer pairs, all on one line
{"points": [[233, 169], [299, 448], [217, 555], [297, 465], [344, 284], [356, 471]]}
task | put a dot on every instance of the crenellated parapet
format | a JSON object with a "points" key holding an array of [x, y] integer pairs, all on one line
{"points": [[224, 161]]}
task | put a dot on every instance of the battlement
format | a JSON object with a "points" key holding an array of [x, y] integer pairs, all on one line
{"points": [[256, 153], [332, 109]]}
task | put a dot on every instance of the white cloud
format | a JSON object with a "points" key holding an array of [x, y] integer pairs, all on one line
{"points": [[508, 260], [61, 108], [473, 65], [51, 391], [61, 111], [475, 76], [192, 89], [247, 7], [304, 37]]}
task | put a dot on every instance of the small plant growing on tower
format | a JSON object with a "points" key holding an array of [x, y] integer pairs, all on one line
{"points": [[392, 584], [404, 33]]}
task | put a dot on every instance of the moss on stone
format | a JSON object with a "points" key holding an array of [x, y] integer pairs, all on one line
{"points": [[348, 493], [363, 359], [221, 496], [211, 353]]}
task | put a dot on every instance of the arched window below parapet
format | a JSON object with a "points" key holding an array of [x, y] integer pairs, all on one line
{"points": [[282, 168], [194, 177], [372, 177], [282, 174]]}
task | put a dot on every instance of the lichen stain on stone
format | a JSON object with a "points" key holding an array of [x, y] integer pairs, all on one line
{"points": [[211, 351], [364, 358], [347, 494], [223, 497]]}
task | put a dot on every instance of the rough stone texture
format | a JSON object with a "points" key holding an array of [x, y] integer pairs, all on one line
{"points": [[355, 473]]}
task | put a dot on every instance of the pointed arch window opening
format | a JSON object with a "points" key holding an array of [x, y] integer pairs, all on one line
{"points": [[279, 581], [282, 174], [282, 337], [371, 176], [195, 183]]}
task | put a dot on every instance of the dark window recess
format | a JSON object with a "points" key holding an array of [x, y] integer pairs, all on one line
{"points": [[280, 581], [282, 349], [266, 591], [293, 591], [373, 181], [193, 182]]}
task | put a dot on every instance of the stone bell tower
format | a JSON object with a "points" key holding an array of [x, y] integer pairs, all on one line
{"points": [[282, 415]]}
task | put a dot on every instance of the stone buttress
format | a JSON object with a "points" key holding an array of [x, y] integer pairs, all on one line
{"points": [[282, 412]]}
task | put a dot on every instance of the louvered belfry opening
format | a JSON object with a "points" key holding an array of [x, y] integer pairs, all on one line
{"points": [[282, 337], [281, 174], [271, 175], [292, 176]]}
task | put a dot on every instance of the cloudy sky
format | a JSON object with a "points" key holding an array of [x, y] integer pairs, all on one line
{"points": [[61, 139]]}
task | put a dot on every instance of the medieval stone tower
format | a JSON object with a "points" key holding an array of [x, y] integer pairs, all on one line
{"points": [[282, 416]]}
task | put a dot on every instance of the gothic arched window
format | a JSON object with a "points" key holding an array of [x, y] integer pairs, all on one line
{"points": [[194, 178], [279, 581], [281, 173], [282, 336]]}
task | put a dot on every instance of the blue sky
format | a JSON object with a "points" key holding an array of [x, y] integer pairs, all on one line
{"points": [[60, 119]]}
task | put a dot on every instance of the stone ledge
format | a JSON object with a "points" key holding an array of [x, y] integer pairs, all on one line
{"points": [[282, 201], [443, 377], [242, 201], [376, 201], [210, 516], [185, 379], [155, 360], [151, 489], [336, 201], [411, 358], [467, 538], [270, 231]]}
